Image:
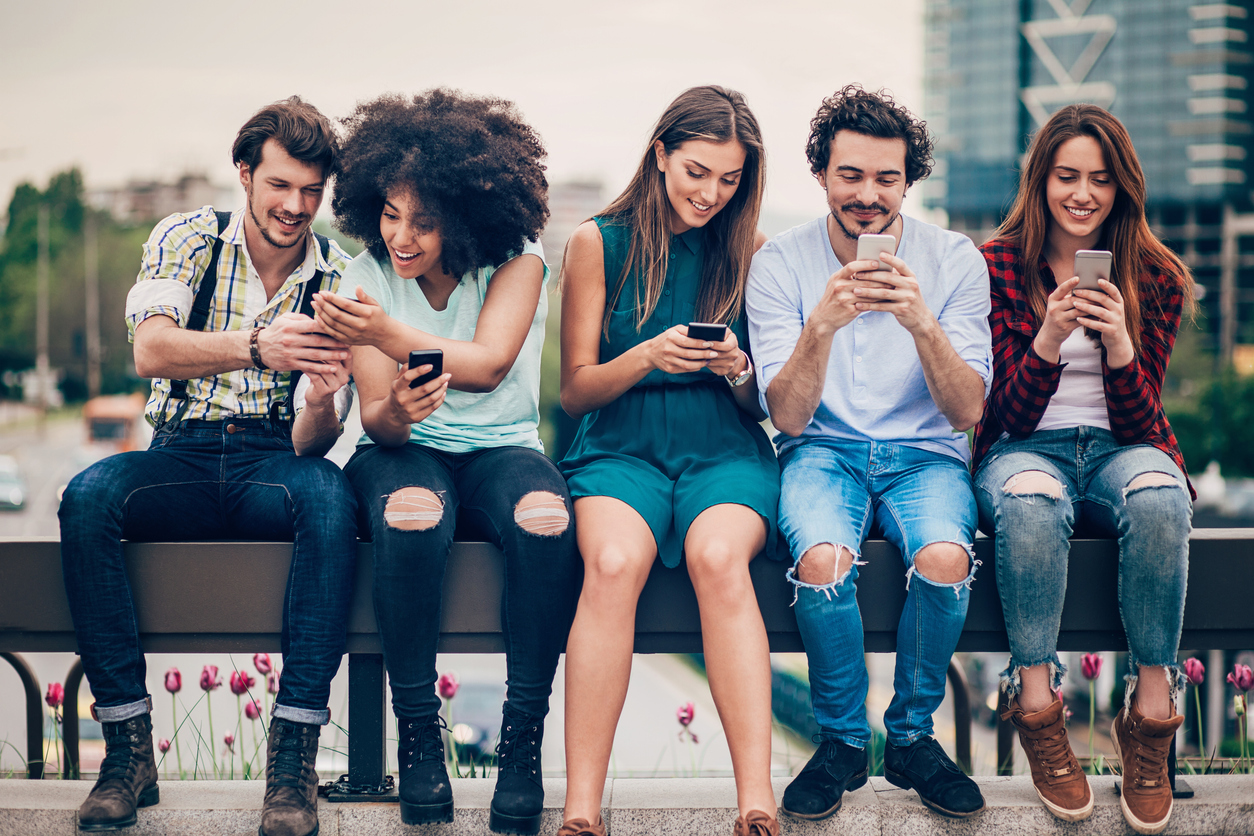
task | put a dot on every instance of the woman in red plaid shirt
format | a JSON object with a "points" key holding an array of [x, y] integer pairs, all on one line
{"points": [[1074, 438]]}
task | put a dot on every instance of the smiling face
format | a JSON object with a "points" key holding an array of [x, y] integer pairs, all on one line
{"points": [[413, 242], [283, 195], [1079, 192], [701, 178], [865, 182]]}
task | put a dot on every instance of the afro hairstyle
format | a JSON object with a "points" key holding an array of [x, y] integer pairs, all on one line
{"points": [[471, 163]]}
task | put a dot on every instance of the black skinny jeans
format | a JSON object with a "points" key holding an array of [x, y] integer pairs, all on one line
{"points": [[480, 490]]}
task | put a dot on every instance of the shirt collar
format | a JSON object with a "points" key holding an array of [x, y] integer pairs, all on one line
{"points": [[693, 239], [313, 261]]}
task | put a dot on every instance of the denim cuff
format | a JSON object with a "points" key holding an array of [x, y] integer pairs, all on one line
{"points": [[1011, 684], [121, 713], [309, 716], [1176, 679]]}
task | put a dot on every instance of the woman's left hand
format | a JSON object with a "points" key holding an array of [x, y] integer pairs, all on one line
{"points": [[728, 358], [1102, 310], [359, 321]]}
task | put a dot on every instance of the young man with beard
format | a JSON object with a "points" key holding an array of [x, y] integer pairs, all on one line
{"points": [[219, 316], [872, 370]]}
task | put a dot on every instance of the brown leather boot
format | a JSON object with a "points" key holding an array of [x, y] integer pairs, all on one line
{"points": [[128, 777], [291, 805], [1056, 774], [581, 827], [1143, 745], [756, 823]]}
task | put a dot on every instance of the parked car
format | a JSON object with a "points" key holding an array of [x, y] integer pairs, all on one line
{"points": [[13, 490]]}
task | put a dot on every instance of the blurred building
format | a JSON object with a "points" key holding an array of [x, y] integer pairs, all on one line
{"points": [[148, 201], [1178, 73]]}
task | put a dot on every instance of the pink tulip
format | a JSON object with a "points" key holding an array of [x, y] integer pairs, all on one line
{"points": [[251, 711], [55, 695], [1195, 670], [229, 740], [1091, 665], [272, 682], [163, 745], [173, 680], [241, 682], [209, 679], [448, 685], [1241, 678], [261, 661], [684, 714]]}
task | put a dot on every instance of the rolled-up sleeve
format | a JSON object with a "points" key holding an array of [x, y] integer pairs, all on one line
{"points": [[964, 318], [174, 255], [773, 306]]}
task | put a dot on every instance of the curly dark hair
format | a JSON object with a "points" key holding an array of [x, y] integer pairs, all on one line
{"points": [[875, 114], [471, 162]]}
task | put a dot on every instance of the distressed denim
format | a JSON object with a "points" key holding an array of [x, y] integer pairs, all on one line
{"points": [[1031, 533], [478, 491], [199, 481], [831, 492]]}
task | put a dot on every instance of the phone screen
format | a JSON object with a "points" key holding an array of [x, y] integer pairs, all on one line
{"points": [[435, 357]]}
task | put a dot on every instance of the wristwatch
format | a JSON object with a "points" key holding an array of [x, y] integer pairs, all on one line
{"points": [[740, 379]]}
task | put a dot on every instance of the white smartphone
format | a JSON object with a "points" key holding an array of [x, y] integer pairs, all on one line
{"points": [[870, 247], [1091, 265]]}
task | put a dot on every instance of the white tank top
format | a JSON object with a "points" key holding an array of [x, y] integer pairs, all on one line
{"points": [[1081, 398]]}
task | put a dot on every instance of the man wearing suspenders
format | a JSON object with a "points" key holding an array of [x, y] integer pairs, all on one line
{"points": [[220, 318]]}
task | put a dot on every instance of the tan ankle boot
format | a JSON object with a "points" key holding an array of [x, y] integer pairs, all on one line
{"points": [[1056, 774], [756, 823], [1142, 745]]}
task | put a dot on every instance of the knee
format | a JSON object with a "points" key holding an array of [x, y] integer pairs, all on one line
{"points": [[614, 569], [1033, 483], [943, 563], [413, 509], [822, 565], [718, 569], [1157, 500], [95, 489], [542, 513]]}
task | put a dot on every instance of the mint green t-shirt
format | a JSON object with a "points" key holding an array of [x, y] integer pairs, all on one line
{"points": [[508, 416]]}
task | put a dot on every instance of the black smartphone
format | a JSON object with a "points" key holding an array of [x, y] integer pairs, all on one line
{"points": [[707, 332], [433, 356]]}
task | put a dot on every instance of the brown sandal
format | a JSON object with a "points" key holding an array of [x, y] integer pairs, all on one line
{"points": [[756, 823]]}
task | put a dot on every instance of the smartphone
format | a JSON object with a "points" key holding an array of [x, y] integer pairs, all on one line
{"points": [[432, 356], [870, 247], [1091, 265], [707, 332]]}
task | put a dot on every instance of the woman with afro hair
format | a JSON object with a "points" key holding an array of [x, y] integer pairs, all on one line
{"points": [[669, 460], [448, 194]]}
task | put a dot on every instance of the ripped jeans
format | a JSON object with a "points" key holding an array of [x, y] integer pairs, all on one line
{"points": [[831, 492], [1034, 493], [411, 499]]}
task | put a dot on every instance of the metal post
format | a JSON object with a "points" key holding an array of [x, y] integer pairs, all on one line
{"points": [[962, 714], [34, 715], [1227, 288], [1005, 739], [366, 712], [1216, 710], [69, 726], [91, 281]]}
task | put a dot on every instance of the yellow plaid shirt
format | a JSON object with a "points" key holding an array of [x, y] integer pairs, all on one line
{"points": [[176, 254]]}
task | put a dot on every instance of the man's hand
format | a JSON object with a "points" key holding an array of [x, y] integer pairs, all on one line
{"points": [[295, 341], [896, 291], [358, 321], [837, 307], [323, 385]]}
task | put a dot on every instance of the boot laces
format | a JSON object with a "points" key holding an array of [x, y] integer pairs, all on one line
{"points": [[289, 745], [420, 740], [1054, 752], [517, 750], [119, 746]]}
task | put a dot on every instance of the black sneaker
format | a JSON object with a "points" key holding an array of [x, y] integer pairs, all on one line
{"points": [[816, 792], [425, 791], [518, 799], [924, 767]]}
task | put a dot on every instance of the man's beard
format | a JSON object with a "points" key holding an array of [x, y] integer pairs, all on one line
{"points": [[264, 234], [853, 236]]}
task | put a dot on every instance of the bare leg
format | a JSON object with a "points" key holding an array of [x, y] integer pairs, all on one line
{"points": [[718, 548], [1036, 694], [1153, 693], [618, 549]]}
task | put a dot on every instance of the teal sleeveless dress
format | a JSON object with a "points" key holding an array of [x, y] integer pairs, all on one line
{"points": [[673, 445]]}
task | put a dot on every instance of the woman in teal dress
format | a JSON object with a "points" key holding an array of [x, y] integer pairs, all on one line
{"points": [[670, 460]]}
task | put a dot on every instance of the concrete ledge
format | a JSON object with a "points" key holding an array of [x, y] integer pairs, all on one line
{"points": [[634, 807]]}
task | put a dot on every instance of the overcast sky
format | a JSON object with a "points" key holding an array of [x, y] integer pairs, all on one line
{"points": [[128, 89]]}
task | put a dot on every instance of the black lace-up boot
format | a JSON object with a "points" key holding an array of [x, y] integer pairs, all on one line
{"points": [[425, 791], [519, 797], [128, 777], [291, 804]]}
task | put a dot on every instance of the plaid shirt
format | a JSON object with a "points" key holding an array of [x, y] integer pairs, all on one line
{"points": [[175, 255], [1023, 382]]}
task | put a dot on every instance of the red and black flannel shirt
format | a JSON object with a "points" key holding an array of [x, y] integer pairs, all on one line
{"points": [[1023, 382]]}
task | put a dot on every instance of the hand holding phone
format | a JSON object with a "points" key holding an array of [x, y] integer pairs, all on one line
{"points": [[432, 356], [870, 247]]}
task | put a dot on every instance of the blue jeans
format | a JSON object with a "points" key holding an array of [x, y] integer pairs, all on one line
{"points": [[1031, 530], [480, 490], [203, 480], [832, 491]]}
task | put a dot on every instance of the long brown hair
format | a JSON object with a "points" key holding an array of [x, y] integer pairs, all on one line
{"points": [[1125, 232], [713, 114]]}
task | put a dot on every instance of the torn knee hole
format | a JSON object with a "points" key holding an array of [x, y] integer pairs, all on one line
{"points": [[1033, 482], [542, 513], [819, 566], [413, 509], [1152, 480]]}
